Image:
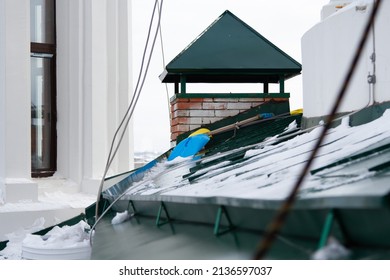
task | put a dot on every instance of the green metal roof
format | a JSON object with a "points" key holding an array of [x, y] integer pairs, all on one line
{"points": [[139, 239], [229, 50], [239, 183]]}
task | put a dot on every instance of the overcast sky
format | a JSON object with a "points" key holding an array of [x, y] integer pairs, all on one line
{"points": [[283, 22]]}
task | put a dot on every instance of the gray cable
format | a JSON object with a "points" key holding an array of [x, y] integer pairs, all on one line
{"points": [[134, 100]]}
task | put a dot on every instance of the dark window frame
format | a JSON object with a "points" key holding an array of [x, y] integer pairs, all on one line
{"points": [[49, 49]]}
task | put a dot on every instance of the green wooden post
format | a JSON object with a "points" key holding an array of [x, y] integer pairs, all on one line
{"points": [[266, 88], [176, 87], [281, 84], [183, 81]]}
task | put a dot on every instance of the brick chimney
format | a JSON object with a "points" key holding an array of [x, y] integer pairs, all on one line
{"points": [[228, 51], [192, 113]]}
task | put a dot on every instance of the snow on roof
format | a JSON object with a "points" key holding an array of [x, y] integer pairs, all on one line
{"points": [[268, 170]]}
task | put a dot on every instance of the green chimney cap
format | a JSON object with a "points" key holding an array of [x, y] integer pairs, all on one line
{"points": [[230, 51]]}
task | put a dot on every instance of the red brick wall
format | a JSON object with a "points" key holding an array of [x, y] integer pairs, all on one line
{"points": [[188, 114]]}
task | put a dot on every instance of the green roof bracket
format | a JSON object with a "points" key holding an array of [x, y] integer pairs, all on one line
{"points": [[327, 229], [132, 206], [281, 84], [230, 227], [332, 217], [158, 219], [105, 205]]}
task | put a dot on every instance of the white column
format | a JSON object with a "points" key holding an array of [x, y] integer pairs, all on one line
{"points": [[95, 91], [70, 61], [106, 91], [93, 50], [15, 103], [119, 77]]}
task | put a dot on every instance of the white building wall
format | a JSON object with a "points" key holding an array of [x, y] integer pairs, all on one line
{"points": [[327, 50], [93, 91]]}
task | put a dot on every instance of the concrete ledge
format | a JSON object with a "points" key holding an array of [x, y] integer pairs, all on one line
{"points": [[57, 200], [90, 186], [21, 221], [19, 189]]}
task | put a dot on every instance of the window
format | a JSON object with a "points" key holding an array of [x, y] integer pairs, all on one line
{"points": [[43, 88]]}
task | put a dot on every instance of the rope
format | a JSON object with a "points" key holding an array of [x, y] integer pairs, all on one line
{"points": [[164, 65], [126, 119], [276, 225]]}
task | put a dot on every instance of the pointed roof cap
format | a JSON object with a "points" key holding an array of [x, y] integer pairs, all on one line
{"points": [[229, 50]]}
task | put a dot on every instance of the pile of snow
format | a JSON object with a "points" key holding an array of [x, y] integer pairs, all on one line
{"points": [[60, 237], [67, 242], [13, 250], [178, 160], [332, 251], [121, 217], [279, 165]]}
